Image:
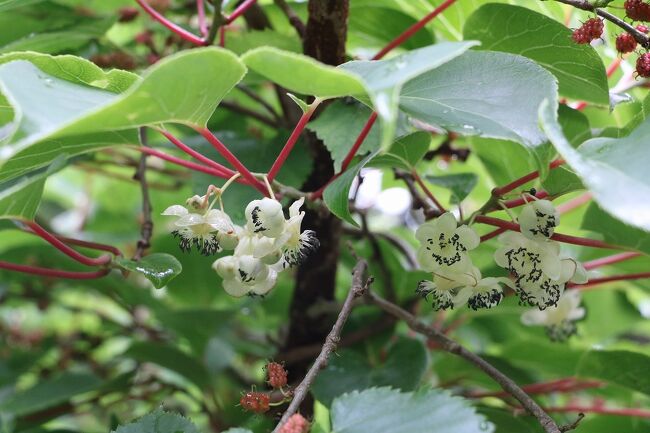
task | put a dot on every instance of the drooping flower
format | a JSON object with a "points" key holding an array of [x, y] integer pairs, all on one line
{"points": [[559, 320], [245, 275], [299, 244], [444, 245], [265, 217], [538, 220], [205, 229], [539, 271], [454, 289]]}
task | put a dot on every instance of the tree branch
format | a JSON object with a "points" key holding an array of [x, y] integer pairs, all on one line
{"points": [[294, 20], [359, 287], [236, 108], [547, 423], [140, 175], [585, 5]]}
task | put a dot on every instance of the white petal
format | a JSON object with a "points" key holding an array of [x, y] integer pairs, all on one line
{"points": [[533, 317], [294, 209], [262, 287], [551, 266], [175, 210], [426, 231], [191, 219], [225, 267], [235, 288], [219, 220], [265, 217], [468, 237], [446, 223], [463, 295], [576, 314]]}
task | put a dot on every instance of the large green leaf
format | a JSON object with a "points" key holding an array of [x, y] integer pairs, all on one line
{"points": [[52, 107], [20, 197], [49, 28], [404, 153], [49, 393], [518, 30], [159, 268], [302, 74], [384, 79], [336, 194], [614, 170], [615, 231], [403, 367], [159, 422], [624, 368], [486, 93], [388, 410], [169, 357], [460, 184]]}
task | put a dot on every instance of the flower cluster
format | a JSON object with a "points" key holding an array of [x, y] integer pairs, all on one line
{"points": [[266, 245], [444, 252], [533, 259], [559, 320]]}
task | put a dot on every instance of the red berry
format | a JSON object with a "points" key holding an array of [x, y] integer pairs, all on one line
{"points": [[144, 38], [625, 43], [256, 402], [295, 424], [642, 28], [127, 14], [643, 65], [276, 375], [590, 30], [637, 10]]}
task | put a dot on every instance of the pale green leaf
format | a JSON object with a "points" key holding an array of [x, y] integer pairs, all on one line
{"points": [[624, 368], [614, 170], [159, 422], [519, 30], [388, 410], [405, 153], [460, 184]]}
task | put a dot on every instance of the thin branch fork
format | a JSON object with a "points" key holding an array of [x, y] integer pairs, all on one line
{"points": [[359, 287], [585, 5], [146, 230], [508, 385]]}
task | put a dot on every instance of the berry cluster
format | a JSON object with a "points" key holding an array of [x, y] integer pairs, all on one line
{"points": [[590, 30], [256, 402], [539, 273], [637, 10], [295, 424], [276, 375], [265, 246]]}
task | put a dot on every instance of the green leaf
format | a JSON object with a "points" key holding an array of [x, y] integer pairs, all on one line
{"points": [[159, 268], [384, 79], [6, 5], [51, 28], [20, 198], [51, 107], [49, 393], [336, 194], [403, 368], [460, 184], [624, 368], [614, 170], [170, 357], [404, 153], [615, 231], [302, 74], [388, 410], [474, 94], [518, 30], [159, 422]]}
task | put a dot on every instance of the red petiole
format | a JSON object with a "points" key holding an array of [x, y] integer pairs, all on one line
{"points": [[55, 273], [501, 191]]}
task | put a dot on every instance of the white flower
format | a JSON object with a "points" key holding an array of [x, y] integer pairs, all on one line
{"points": [[538, 219], [298, 244], [204, 229], [444, 245], [450, 289], [559, 320], [265, 217], [245, 275], [539, 271]]}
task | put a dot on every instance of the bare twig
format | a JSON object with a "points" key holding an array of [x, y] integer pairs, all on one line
{"points": [[147, 223], [585, 5], [257, 98], [573, 425], [294, 20], [236, 108], [217, 21], [359, 287], [451, 346], [419, 200]]}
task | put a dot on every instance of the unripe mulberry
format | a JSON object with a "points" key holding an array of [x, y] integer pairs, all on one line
{"points": [[257, 402], [642, 28], [637, 10], [643, 65], [295, 424], [127, 14], [590, 30], [625, 43], [276, 375]]}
